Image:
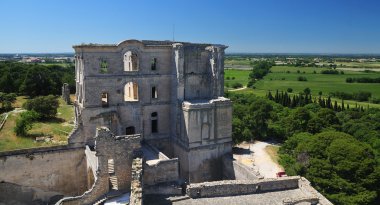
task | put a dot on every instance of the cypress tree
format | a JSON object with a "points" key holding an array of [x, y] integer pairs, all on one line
{"points": [[276, 97], [335, 106], [328, 103], [270, 97]]}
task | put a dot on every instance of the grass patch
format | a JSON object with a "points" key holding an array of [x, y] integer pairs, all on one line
{"points": [[58, 129], [235, 76], [273, 152]]}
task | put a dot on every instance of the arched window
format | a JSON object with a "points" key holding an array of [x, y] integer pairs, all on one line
{"points": [[154, 122], [104, 99], [131, 61], [131, 92]]}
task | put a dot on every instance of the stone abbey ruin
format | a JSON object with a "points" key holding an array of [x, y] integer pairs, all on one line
{"points": [[150, 120]]}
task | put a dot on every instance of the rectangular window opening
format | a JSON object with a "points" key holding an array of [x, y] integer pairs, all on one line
{"points": [[104, 99], [154, 64], [154, 92], [154, 126]]}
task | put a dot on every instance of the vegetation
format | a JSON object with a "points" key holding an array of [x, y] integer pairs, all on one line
{"points": [[45, 106], [358, 96], [55, 130], [332, 141], [341, 167], [325, 84], [35, 79], [329, 72], [6, 100], [259, 70], [338, 151], [25, 122], [363, 80]]}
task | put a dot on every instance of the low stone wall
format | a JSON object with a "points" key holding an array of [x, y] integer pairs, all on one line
{"points": [[159, 171], [173, 189], [96, 193], [44, 173], [240, 187], [233, 169]]}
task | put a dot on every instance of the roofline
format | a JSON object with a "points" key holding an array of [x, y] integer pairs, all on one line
{"points": [[145, 43]]}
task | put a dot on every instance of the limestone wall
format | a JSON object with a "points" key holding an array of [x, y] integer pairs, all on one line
{"points": [[203, 163], [233, 169], [44, 173], [137, 182], [115, 155], [159, 171], [240, 187]]}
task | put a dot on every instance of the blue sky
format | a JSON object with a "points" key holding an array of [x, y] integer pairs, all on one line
{"points": [[290, 26]]}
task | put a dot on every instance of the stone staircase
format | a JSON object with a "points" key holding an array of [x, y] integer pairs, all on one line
{"points": [[111, 166], [113, 181], [111, 172]]}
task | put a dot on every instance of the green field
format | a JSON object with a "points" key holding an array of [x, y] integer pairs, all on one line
{"points": [[58, 129], [237, 61], [358, 64], [240, 76], [281, 80]]}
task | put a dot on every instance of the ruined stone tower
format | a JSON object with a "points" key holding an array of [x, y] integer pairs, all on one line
{"points": [[169, 92]]}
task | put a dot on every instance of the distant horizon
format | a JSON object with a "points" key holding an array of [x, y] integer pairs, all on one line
{"points": [[227, 53]]}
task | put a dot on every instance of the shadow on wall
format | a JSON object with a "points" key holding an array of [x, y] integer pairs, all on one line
{"points": [[21, 195]]}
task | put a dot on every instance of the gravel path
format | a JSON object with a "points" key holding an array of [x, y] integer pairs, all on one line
{"points": [[262, 160], [256, 157]]}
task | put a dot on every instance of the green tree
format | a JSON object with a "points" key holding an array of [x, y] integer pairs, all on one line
{"points": [[45, 106], [37, 82], [6, 100], [25, 122], [342, 168], [260, 113], [6, 82]]}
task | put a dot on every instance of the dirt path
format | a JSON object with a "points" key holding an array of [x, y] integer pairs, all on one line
{"points": [[237, 89], [255, 156], [266, 166]]}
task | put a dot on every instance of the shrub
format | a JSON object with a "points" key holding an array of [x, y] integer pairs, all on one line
{"points": [[237, 85], [307, 91], [329, 72], [250, 83], [289, 90], [301, 78], [287, 71], [233, 78], [298, 71], [25, 122], [228, 77]]}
